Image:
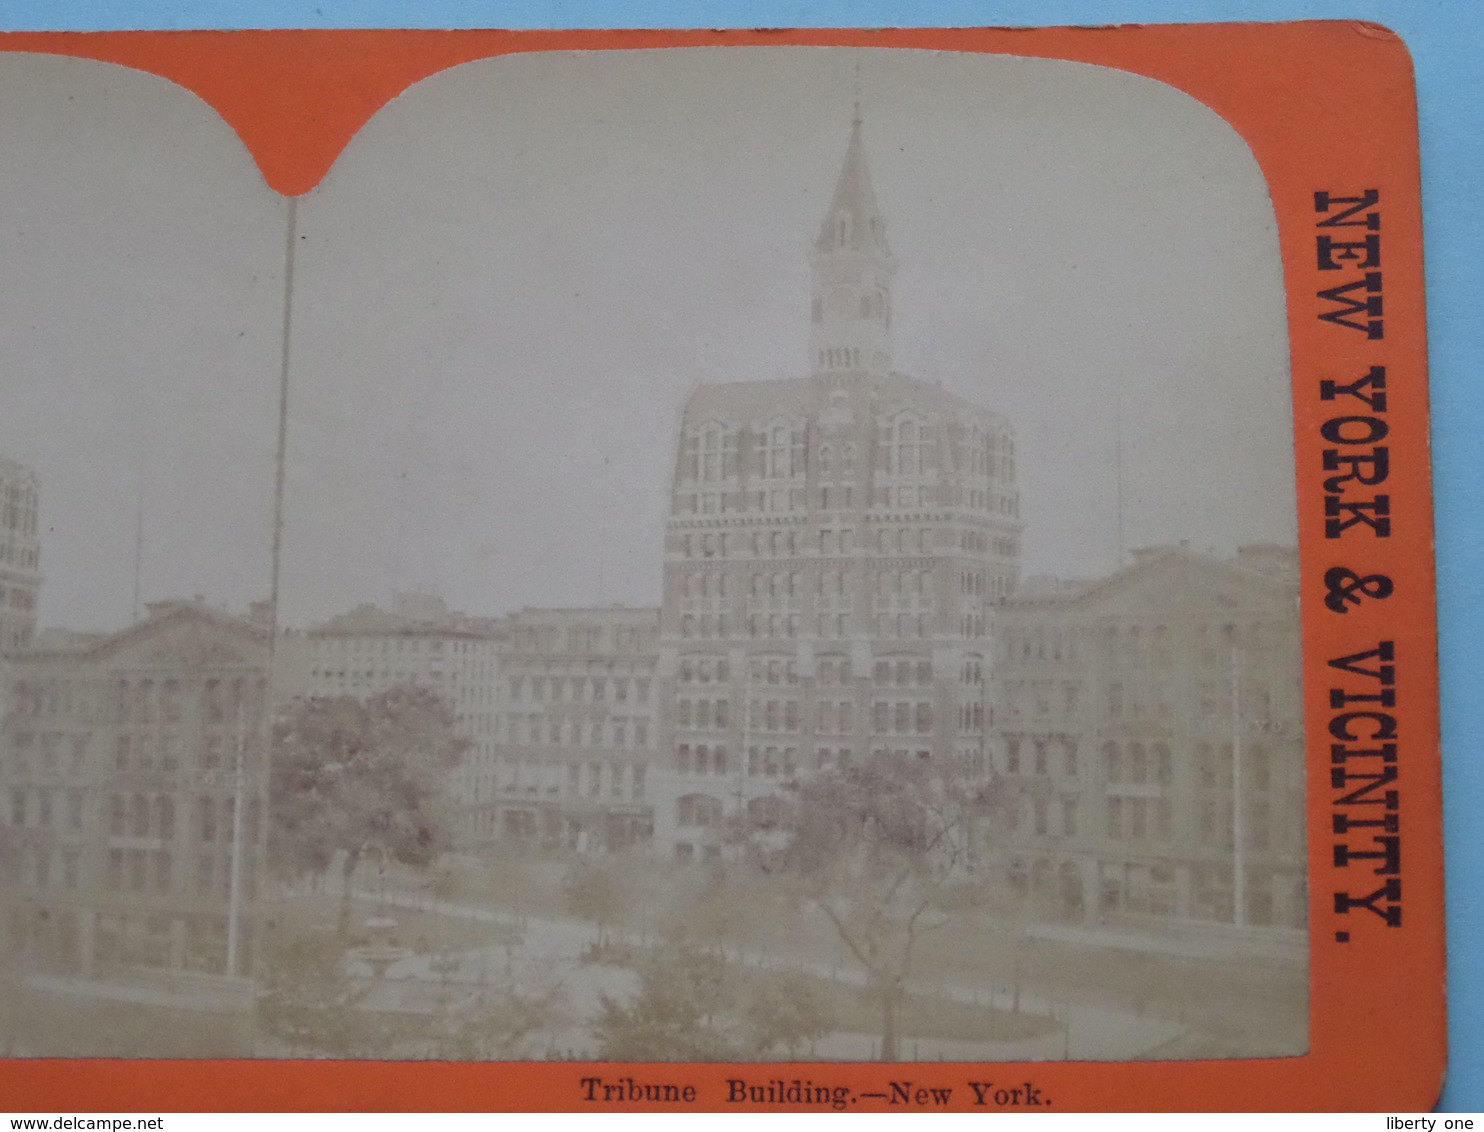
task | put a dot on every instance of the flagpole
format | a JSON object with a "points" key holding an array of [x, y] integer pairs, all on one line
{"points": [[234, 909]]}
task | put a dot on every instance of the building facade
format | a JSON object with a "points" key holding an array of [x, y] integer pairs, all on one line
{"points": [[834, 547], [20, 556], [577, 752], [368, 650], [1151, 723], [134, 785]]}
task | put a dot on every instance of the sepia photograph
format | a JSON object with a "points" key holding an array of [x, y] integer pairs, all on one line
{"points": [[711, 554]]}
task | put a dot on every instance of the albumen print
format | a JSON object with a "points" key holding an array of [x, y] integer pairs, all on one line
{"points": [[770, 554]]}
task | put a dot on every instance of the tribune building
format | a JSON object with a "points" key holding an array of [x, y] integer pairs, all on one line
{"points": [[835, 545]]}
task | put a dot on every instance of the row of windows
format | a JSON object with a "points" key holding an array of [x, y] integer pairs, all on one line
{"points": [[144, 870], [48, 748], [1209, 645], [591, 780], [831, 541], [580, 689], [36, 867], [701, 714], [773, 715], [383, 646], [1136, 819], [904, 448], [1045, 819], [704, 670], [141, 815], [163, 752], [902, 625], [844, 497], [585, 639], [902, 718], [833, 716], [700, 759], [617, 732], [141, 701], [1039, 643], [1043, 752], [846, 357], [1038, 698], [15, 553], [903, 673], [42, 808], [1215, 767], [699, 810], [829, 583], [15, 636], [19, 515], [18, 597], [388, 677], [1136, 764], [1213, 700]]}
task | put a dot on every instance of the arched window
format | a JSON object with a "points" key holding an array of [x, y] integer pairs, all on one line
{"points": [[778, 452], [905, 444]]}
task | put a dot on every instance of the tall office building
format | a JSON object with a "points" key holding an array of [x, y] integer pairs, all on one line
{"points": [[834, 545]]}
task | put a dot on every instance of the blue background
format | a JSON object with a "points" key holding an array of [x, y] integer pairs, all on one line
{"points": [[1446, 38]]}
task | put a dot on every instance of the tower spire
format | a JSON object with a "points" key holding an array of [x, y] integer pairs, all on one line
{"points": [[853, 267]]}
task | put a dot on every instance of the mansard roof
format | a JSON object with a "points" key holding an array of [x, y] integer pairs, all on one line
{"points": [[798, 397]]}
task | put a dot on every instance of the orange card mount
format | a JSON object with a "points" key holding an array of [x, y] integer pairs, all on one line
{"points": [[1060, 731]]}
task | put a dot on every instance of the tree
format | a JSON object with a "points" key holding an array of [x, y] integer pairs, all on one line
{"points": [[683, 1011], [886, 852], [595, 891], [691, 1005], [362, 779], [786, 1012], [497, 1024], [308, 1000]]}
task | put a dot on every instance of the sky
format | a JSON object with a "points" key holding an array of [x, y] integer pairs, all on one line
{"points": [[513, 276]]}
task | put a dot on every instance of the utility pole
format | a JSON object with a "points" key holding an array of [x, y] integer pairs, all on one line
{"points": [[1239, 835]]}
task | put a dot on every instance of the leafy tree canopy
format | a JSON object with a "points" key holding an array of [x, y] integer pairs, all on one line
{"points": [[363, 778]]}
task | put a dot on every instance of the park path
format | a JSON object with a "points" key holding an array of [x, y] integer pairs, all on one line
{"points": [[1084, 1032]]}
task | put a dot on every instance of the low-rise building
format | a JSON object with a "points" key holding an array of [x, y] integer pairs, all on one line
{"points": [[368, 650], [134, 789], [578, 742], [1151, 723]]}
